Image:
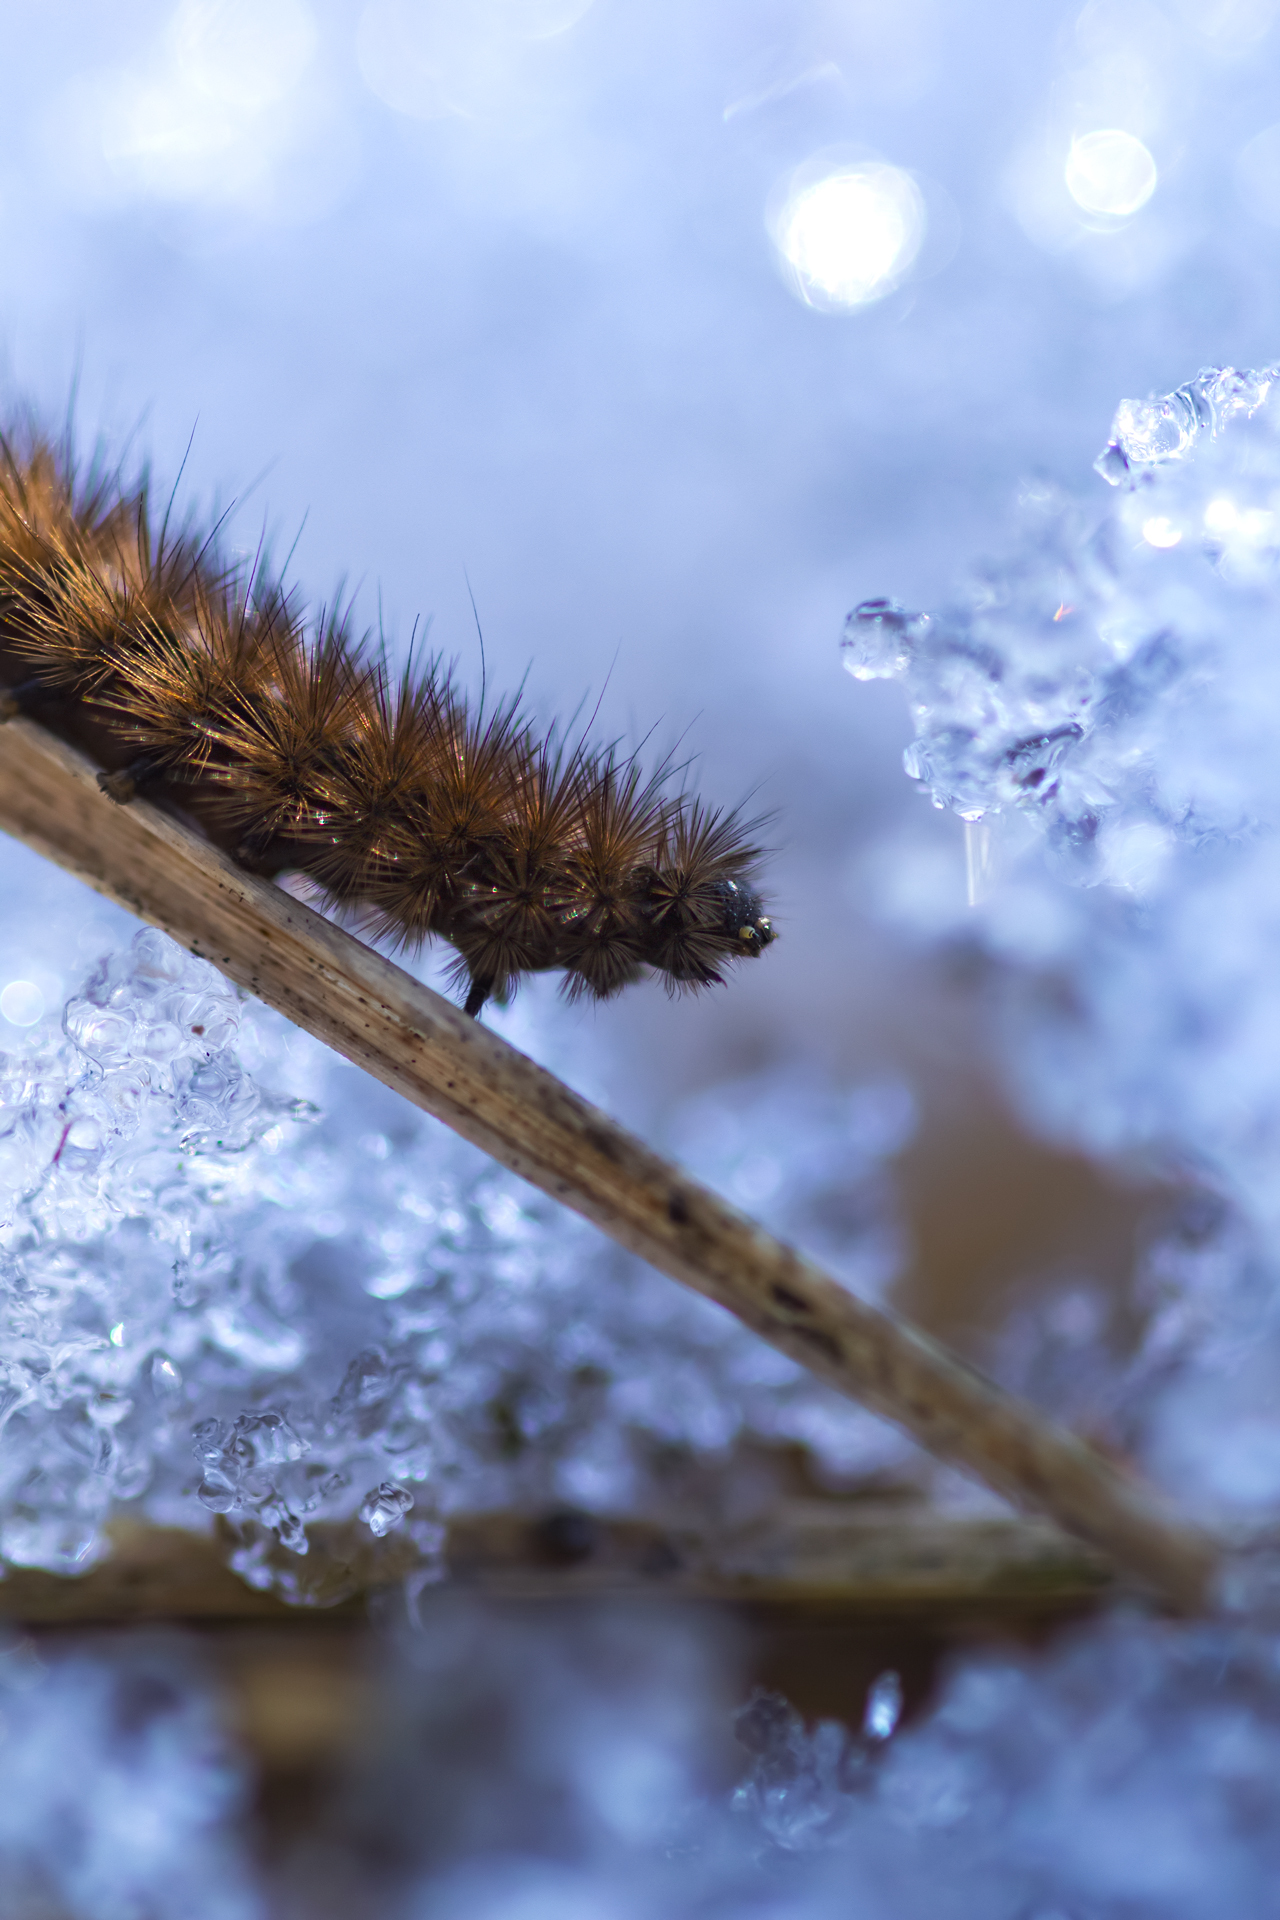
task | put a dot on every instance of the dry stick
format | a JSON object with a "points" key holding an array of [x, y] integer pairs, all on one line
{"points": [[419, 1044], [823, 1557]]}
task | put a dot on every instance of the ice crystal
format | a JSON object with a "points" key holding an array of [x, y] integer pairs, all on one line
{"points": [[1102, 710], [316, 1304]]}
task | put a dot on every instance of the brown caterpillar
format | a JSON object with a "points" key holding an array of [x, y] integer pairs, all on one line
{"points": [[201, 683]]}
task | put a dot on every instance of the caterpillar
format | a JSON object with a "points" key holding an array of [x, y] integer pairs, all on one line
{"points": [[294, 746]]}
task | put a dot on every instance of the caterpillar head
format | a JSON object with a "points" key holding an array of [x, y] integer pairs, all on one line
{"points": [[745, 920]]}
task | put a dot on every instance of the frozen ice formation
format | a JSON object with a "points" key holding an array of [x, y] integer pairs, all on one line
{"points": [[318, 1304], [1103, 710], [533, 1764], [1130, 1770], [1145, 433], [1068, 686]]}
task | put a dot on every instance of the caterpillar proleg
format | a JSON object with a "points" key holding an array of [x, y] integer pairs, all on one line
{"points": [[296, 749]]}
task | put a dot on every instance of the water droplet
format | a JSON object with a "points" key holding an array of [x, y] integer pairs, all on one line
{"points": [[879, 639], [217, 1492]]}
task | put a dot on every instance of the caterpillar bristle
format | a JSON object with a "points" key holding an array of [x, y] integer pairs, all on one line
{"points": [[281, 733], [296, 748]]}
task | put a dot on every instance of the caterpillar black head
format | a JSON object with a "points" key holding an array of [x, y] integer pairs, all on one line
{"points": [[745, 920]]}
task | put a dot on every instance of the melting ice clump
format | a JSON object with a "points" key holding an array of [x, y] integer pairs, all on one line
{"points": [[1103, 711], [286, 1308]]}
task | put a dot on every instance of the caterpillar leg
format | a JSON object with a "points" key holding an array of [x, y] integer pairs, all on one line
{"points": [[123, 784], [481, 988]]}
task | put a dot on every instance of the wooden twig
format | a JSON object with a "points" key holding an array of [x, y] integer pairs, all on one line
{"points": [[455, 1068], [813, 1556]]}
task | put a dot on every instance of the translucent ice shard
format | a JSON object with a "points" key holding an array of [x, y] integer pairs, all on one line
{"points": [[1145, 433], [385, 1506]]}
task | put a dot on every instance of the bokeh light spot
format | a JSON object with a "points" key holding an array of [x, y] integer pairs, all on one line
{"points": [[849, 237], [1160, 532], [1110, 172], [22, 1003]]}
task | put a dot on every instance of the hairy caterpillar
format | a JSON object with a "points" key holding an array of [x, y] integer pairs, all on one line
{"points": [[296, 749]]}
